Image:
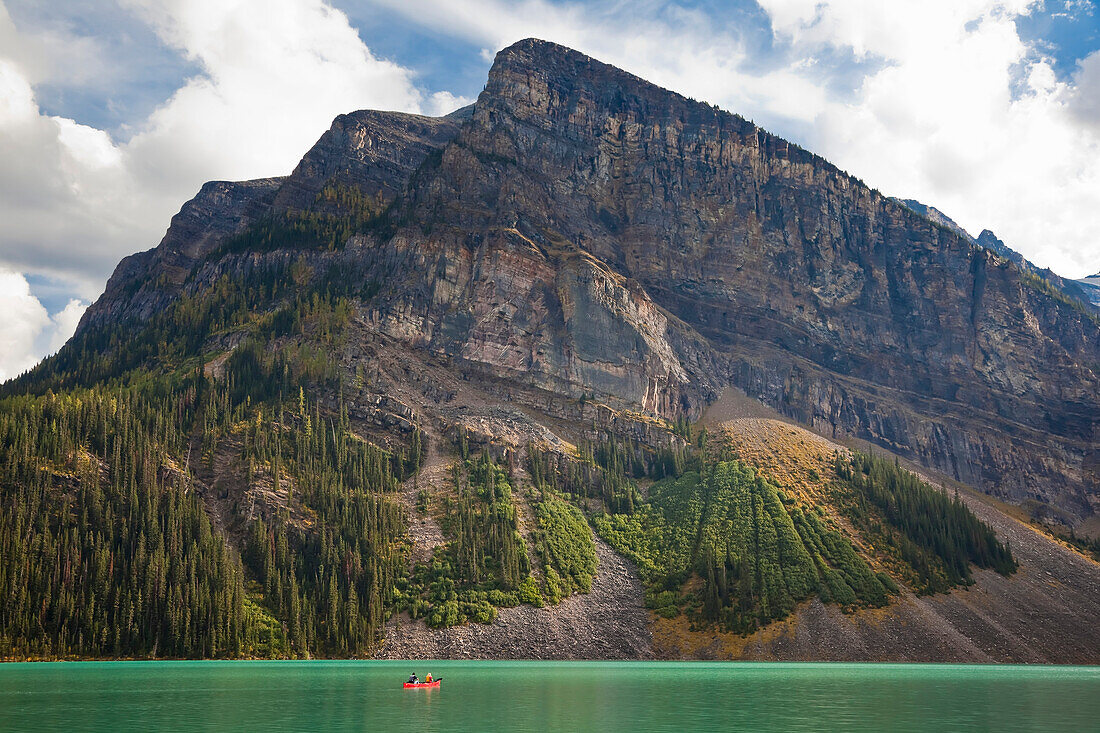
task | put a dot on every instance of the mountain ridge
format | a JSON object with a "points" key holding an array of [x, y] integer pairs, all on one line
{"points": [[603, 122], [443, 352]]}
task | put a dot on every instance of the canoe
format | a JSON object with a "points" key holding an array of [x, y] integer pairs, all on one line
{"points": [[414, 685]]}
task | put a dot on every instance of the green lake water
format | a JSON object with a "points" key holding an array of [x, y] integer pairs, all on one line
{"points": [[537, 696]]}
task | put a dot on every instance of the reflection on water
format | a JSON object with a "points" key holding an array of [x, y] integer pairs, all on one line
{"points": [[600, 696]]}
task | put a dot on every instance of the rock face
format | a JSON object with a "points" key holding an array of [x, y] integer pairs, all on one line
{"points": [[373, 151], [144, 282], [1078, 290], [1091, 286], [586, 234], [938, 217]]}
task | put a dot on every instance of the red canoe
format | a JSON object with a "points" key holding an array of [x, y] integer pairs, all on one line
{"points": [[413, 685]]}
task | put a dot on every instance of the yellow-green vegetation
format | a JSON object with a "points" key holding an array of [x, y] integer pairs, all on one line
{"points": [[568, 553], [605, 471], [757, 556], [339, 212], [484, 564], [266, 638], [1088, 546], [1041, 284], [727, 543]]}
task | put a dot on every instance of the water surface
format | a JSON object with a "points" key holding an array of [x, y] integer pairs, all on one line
{"points": [[530, 696]]}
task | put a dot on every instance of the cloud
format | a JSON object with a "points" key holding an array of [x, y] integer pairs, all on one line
{"points": [[64, 324], [675, 46], [443, 103], [27, 331], [272, 76], [1085, 102], [966, 117], [65, 200]]}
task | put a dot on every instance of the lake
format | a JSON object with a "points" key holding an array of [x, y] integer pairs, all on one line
{"points": [[600, 696]]}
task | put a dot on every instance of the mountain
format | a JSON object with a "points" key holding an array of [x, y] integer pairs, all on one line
{"points": [[1079, 291], [402, 382], [585, 232], [936, 217], [1091, 286]]}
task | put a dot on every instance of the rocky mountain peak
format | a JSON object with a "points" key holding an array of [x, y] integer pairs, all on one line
{"points": [[369, 150], [546, 85], [586, 234]]}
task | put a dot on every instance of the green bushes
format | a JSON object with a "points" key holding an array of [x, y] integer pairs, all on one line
{"points": [[483, 565], [565, 542], [756, 558], [528, 592], [665, 604]]}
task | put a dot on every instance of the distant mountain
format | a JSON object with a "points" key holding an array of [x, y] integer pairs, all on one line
{"points": [[1078, 290], [1091, 287], [935, 216], [397, 388]]}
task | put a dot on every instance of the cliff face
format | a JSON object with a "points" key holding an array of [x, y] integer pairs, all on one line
{"points": [[763, 265], [374, 152], [145, 282], [586, 233]]}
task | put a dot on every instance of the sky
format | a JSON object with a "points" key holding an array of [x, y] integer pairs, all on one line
{"points": [[114, 112]]}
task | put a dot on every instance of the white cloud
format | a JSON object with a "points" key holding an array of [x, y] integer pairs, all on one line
{"points": [[443, 103], [64, 324], [963, 116], [67, 205], [1085, 102], [675, 47], [273, 75], [50, 54], [27, 331]]}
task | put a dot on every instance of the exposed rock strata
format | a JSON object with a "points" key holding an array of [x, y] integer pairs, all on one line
{"points": [[582, 233]]}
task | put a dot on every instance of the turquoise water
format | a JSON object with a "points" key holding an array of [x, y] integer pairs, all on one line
{"points": [[537, 696]]}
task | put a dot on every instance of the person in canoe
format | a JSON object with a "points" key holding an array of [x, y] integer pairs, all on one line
{"points": [[413, 679], [428, 679]]}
